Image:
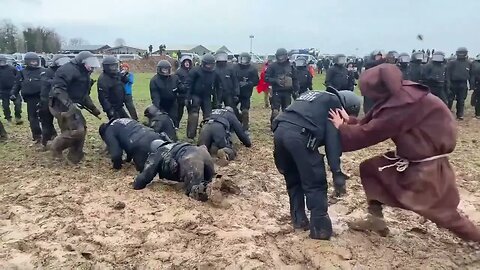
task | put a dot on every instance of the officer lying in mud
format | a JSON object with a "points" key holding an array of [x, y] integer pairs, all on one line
{"points": [[160, 122], [298, 132], [127, 135], [215, 134], [180, 162]]}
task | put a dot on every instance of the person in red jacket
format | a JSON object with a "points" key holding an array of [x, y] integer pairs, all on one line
{"points": [[263, 86]]}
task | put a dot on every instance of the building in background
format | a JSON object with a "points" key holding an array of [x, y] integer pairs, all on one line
{"points": [[95, 49], [124, 50]]}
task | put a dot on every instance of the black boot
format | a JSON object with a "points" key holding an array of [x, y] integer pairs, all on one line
{"points": [[321, 227], [245, 119], [297, 208], [192, 124], [3, 133]]}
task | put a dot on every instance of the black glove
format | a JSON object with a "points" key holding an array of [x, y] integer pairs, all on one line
{"points": [[235, 99], [96, 112], [295, 95], [243, 84], [111, 113], [13, 97]]}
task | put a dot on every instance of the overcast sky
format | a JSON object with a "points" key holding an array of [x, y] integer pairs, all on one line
{"points": [[332, 26]]}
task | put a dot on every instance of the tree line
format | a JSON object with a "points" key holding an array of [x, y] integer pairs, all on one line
{"points": [[30, 38]]}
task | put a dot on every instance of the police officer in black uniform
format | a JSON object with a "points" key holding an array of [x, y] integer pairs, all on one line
{"points": [[163, 89], [200, 83], [160, 122], [46, 118], [376, 58], [110, 85], [337, 75], [303, 75], [186, 63], [71, 90], [403, 64], [247, 76], [298, 132], [129, 136], [475, 85], [281, 76], [434, 76], [216, 134], [415, 69], [181, 162], [28, 82], [392, 57], [227, 88], [458, 74], [8, 73]]}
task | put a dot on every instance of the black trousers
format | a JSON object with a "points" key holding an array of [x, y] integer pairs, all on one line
{"points": [[181, 108], [304, 172], [6, 106], [46, 120], [131, 107], [476, 100], [198, 102], [279, 101], [119, 113], [215, 137], [33, 118], [458, 92], [438, 89]]}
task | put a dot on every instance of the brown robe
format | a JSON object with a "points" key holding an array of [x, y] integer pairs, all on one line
{"points": [[421, 126]]}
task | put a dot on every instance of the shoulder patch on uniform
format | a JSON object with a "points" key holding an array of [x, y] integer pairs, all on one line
{"points": [[122, 121], [309, 96], [218, 111]]}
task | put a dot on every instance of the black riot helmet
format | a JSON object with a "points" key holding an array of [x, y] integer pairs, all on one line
{"points": [[461, 53], [208, 62], [186, 61], [151, 111], [281, 55], [32, 60], [392, 57], [59, 60], [301, 62], [110, 65], [164, 68], [351, 102], [87, 59], [417, 57], [404, 58], [244, 59], [438, 56], [221, 56], [3, 60], [340, 59]]}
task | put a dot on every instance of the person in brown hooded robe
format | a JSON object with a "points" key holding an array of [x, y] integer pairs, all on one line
{"points": [[417, 176]]}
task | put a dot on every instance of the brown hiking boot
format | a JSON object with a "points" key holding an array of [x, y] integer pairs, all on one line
{"points": [[371, 223], [222, 158]]}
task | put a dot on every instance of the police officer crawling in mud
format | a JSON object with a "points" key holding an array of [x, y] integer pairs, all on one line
{"points": [[160, 122], [180, 162], [129, 136], [71, 90], [216, 134], [298, 132]]}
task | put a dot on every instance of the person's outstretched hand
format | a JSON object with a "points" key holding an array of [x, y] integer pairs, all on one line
{"points": [[344, 114], [336, 118]]}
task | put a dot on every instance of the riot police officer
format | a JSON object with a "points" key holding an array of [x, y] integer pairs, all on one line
{"points": [[216, 134], [376, 58], [403, 64], [434, 76], [298, 132], [71, 90], [46, 118], [186, 63], [303, 75], [475, 85], [200, 83], [28, 83], [227, 90], [458, 74], [160, 122], [163, 89], [281, 76], [415, 72], [247, 76], [8, 73], [392, 57], [111, 92], [337, 75]]}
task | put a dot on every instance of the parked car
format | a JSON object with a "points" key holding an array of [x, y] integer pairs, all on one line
{"points": [[310, 58]]}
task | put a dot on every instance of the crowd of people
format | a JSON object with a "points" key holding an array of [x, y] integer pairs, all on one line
{"points": [[404, 100]]}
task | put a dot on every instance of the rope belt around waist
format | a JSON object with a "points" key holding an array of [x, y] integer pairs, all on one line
{"points": [[402, 164]]}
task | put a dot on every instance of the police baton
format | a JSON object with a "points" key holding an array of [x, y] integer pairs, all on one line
{"points": [[81, 107]]}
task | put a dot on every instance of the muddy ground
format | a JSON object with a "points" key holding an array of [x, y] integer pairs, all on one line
{"points": [[60, 216]]}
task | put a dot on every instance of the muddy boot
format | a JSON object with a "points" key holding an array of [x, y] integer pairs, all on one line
{"points": [[339, 191], [373, 222], [199, 192], [222, 156], [245, 119], [18, 121], [75, 157], [321, 228], [3, 133], [192, 124], [273, 116], [297, 208]]}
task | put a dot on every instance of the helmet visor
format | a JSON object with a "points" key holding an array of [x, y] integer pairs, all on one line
{"points": [[404, 59], [244, 61], [281, 57], [208, 67], [91, 62], [32, 63], [342, 60], [300, 62], [62, 61], [221, 57]]}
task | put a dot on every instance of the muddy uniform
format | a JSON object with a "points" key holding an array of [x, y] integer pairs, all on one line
{"points": [[181, 162], [129, 136], [281, 76], [111, 94], [216, 132], [7, 80], [160, 122], [29, 84], [163, 94], [434, 74], [46, 118], [182, 74], [247, 76], [71, 85]]}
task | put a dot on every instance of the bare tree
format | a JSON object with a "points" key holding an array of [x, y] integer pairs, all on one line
{"points": [[8, 37], [77, 42], [119, 42]]}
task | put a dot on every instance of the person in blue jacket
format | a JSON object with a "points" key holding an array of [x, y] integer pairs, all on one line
{"points": [[128, 91]]}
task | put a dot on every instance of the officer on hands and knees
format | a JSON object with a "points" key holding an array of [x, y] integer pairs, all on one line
{"points": [[180, 162], [160, 122], [111, 92], [71, 88], [216, 134], [298, 132], [29, 84]]}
